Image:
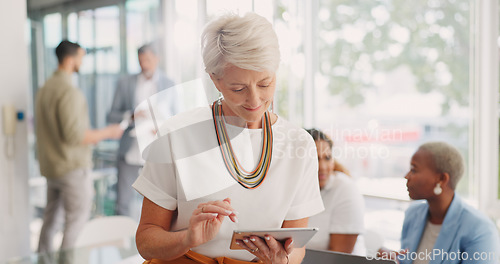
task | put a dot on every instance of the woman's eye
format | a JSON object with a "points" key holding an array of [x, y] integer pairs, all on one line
{"points": [[237, 89], [327, 158], [263, 85]]}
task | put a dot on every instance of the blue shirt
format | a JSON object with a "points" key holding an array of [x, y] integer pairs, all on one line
{"points": [[466, 236]]}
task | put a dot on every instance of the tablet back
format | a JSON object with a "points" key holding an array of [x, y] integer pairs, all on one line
{"points": [[330, 257]]}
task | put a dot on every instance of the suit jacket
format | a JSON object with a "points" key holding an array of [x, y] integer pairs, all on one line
{"points": [[466, 235], [124, 100]]}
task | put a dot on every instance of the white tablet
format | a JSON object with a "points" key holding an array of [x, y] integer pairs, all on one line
{"points": [[300, 236]]}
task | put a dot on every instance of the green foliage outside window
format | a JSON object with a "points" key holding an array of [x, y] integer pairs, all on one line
{"points": [[422, 35]]}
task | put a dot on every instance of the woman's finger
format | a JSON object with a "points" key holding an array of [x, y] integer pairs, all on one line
{"points": [[214, 209], [203, 217], [288, 246], [260, 244], [219, 207], [226, 204], [273, 244], [242, 244], [234, 215], [247, 244]]}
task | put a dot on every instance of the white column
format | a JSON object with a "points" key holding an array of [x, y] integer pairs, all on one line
{"points": [[485, 120], [14, 89], [311, 60], [169, 17]]}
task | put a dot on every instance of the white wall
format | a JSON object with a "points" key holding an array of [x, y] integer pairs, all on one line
{"points": [[14, 88]]}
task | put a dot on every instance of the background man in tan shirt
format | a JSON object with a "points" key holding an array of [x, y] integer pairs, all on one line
{"points": [[64, 137]]}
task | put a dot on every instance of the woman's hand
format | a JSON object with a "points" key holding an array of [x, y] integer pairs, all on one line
{"points": [[206, 220], [268, 250]]}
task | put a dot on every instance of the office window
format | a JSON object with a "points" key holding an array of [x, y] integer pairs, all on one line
{"points": [[219, 7], [186, 40], [143, 26], [391, 77], [52, 28], [84, 24], [107, 40], [52, 33], [289, 23]]}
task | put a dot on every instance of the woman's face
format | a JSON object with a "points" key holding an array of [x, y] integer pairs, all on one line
{"points": [[325, 162], [247, 94], [422, 177]]}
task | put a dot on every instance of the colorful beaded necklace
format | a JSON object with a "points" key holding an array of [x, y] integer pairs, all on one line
{"points": [[249, 180]]}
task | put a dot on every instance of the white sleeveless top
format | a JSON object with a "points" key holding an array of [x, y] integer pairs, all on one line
{"points": [[185, 168]]}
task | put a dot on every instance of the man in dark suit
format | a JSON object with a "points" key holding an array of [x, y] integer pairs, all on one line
{"points": [[130, 91]]}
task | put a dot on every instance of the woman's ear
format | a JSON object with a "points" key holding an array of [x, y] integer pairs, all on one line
{"points": [[215, 80], [444, 179]]}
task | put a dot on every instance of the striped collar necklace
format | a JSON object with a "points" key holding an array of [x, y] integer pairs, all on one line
{"points": [[252, 179]]}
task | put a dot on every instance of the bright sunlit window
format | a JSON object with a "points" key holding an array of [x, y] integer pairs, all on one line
{"points": [[391, 77]]}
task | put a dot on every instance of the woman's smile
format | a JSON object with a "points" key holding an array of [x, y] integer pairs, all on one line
{"points": [[252, 109]]}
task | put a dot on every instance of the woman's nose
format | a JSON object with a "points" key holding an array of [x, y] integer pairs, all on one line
{"points": [[322, 165], [253, 97]]}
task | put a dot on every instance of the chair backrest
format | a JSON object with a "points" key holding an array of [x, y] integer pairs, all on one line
{"points": [[330, 257], [107, 231]]}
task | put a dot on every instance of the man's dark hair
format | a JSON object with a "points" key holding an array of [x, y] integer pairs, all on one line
{"points": [[65, 49], [148, 47]]}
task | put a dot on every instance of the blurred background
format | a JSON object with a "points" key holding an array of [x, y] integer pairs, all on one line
{"points": [[380, 77]]}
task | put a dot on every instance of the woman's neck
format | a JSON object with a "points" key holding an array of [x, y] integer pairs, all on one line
{"points": [[438, 207]]}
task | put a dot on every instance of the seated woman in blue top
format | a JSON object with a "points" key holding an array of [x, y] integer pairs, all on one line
{"points": [[442, 229]]}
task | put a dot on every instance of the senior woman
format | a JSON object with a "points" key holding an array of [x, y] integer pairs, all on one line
{"points": [[233, 164], [342, 221], [443, 228]]}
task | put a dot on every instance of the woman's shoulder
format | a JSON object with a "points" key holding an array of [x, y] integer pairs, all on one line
{"points": [[343, 186], [472, 215], [342, 182], [344, 179], [484, 230]]}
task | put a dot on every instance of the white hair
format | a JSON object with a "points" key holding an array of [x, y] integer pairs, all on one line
{"points": [[247, 42], [447, 159]]}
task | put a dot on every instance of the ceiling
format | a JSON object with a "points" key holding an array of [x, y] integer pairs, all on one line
{"points": [[54, 5], [41, 4]]}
